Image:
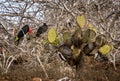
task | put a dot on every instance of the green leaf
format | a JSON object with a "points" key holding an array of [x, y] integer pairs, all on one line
{"points": [[105, 49], [52, 35], [81, 20], [66, 35], [89, 36], [55, 43]]}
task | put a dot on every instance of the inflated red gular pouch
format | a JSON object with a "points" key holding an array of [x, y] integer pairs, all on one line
{"points": [[30, 31]]}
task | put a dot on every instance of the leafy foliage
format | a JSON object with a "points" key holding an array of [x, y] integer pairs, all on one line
{"points": [[84, 41], [105, 49], [81, 20], [66, 35], [89, 35], [52, 35]]}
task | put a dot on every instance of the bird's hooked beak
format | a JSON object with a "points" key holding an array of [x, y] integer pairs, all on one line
{"points": [[30, 31]]}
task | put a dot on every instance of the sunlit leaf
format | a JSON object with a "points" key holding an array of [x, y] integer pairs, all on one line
{"points": [[81, 21], [57, 41], [52, 35], [91, 26], [105, 49], [54, 43]]}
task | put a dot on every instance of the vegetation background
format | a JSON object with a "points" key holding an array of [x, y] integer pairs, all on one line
{"points": [[36, 58]]}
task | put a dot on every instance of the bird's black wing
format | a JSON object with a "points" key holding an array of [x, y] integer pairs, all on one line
{"points": [[25, 29]]}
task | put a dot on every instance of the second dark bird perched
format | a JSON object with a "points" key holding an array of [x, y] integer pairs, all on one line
{"points": [[41, 29]]}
